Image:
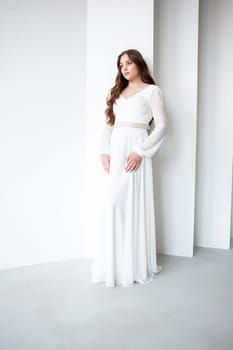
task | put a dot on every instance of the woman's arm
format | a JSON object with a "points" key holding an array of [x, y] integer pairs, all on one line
{"points": [[149, 146], [105, 137]]}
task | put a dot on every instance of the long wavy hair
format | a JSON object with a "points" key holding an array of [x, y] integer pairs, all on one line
{"points": [[121, 82]]}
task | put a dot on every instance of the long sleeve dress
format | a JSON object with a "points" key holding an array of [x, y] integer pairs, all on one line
{"points": [[126, 249]]}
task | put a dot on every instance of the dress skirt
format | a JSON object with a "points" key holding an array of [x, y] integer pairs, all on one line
{"points": [[125, 251]]}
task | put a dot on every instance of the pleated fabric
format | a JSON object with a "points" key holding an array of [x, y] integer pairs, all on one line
{"points": [[126, 251]]}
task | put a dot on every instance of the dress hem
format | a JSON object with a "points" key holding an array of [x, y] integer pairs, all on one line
{"points": [[128, 284]]}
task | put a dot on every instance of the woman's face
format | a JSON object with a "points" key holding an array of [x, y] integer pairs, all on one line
{"points": [[128, 68]]}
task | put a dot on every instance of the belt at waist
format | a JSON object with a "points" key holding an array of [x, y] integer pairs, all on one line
{"points": [[131, 125]]}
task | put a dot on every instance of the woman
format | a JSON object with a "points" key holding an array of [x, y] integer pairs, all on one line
{"points": [[135, 128]]}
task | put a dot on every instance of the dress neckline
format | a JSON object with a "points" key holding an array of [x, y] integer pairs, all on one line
{"points": [[136, 93]]}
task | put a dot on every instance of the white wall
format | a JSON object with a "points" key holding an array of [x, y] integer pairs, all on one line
{"points": [[42, 89], [176, 48], [215, 125]]}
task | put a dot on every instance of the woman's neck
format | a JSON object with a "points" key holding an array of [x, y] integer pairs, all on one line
{"points": [[135, 84]]}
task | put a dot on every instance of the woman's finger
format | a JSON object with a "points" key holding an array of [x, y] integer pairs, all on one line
{"points": [[129, 165], [132, 166]]}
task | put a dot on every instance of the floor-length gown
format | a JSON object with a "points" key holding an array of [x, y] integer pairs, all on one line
{"points": [[125, 252]]}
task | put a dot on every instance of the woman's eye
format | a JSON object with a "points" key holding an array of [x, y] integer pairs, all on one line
{"points": [[127, 63]]}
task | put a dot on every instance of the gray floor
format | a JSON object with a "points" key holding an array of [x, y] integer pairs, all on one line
{"points": [[53, 306]]}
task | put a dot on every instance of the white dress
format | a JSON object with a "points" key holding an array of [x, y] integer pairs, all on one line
{"points": [[125, 252]]}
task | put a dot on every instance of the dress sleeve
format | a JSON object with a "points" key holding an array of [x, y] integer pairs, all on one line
{"points": [[150, 145], [105, 137]]}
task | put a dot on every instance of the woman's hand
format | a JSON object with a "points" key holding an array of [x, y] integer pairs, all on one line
{"points": [[133, 161], [105, 159]]}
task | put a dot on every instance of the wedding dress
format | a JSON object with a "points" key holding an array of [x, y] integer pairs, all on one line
{"points": [[125, 251]]}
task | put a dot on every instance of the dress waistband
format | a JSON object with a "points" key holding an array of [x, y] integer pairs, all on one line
{"points": [[131, 125]]}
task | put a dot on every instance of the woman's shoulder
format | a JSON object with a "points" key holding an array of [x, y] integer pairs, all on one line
{"points": [[148, 88], [156, 95], [152, 90], [155, 90], [152, 87]]}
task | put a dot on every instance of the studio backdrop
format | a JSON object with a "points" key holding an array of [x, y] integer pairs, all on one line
{"points": [[58, 61]]}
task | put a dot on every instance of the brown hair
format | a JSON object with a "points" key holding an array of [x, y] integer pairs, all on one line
{"points": [[121, 82]]}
